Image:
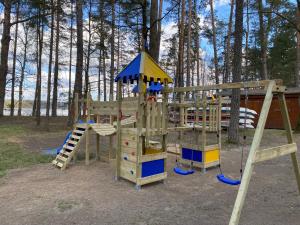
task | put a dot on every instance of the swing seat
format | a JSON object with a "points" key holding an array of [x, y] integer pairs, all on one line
{"points": [[183, 172], [227, 180]]}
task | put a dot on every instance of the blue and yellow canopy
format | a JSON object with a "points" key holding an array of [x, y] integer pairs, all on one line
{"points": [[144, 65]]}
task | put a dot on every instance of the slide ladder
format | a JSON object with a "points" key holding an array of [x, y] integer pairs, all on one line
{"points": [[71, 147]]}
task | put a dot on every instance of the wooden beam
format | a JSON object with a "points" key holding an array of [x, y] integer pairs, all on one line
{"points": [[239, 85], [275, 152], [240, 199], [289, 133], [119, 130]]}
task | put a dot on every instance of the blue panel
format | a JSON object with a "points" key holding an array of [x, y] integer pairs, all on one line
{"points": [[131, 71], [188, 154], [153, 167]]}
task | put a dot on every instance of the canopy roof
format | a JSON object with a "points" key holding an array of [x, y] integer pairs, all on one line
{"points": [[144, 65]]}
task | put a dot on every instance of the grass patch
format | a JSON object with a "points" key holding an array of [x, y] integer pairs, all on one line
{"points": [[12, 155]]}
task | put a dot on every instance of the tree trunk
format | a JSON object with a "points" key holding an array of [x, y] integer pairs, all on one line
{"points": [[213, 25], [233, 134], [23, 71], [4, 53], [153, 30], [144, 28], [104, 76], [197, 45], [79, 57], [87, 67], [50, 63], [56, 63], [13, 80], [263, 44], [112, 52], [70, 66], [180, 70], [228, 45], [188, 71], [161, 2], [247, 43], [39, 71], [99, 76], [298, 51]]}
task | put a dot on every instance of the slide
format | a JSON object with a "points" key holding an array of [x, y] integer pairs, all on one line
{"points": [[55, 151]]}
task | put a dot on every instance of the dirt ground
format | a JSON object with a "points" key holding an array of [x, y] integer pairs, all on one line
{"points": [[86, 195]]}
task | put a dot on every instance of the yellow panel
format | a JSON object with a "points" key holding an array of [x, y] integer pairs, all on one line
{"points": [[149, 151], [152, 70], [212, 156]]}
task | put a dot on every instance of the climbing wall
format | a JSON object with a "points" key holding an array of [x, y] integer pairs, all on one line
{"points": [[71, 147]]}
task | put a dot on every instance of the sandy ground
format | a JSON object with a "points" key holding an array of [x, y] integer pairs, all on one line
{"points": [[89, 195]]}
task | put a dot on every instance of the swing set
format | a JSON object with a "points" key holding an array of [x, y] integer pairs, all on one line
{"points": [[273, 88]]}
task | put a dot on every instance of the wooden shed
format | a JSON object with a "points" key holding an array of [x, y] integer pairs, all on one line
{"points": [[274, 121]]}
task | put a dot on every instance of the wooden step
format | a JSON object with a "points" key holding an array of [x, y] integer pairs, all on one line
{"points": [[79, 125], [72, 142], [71, 148], [61, 158], [58, 164], [75, 137], [79, 131], [64, 152]]}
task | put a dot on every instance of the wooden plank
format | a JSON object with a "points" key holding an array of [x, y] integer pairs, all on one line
{"points": [[289, 133], [238, 85], [240, 199], [274, 152], [151, 179], [151, 157]]}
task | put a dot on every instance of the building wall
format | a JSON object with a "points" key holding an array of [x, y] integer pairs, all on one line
{"points": [[274, 120]]}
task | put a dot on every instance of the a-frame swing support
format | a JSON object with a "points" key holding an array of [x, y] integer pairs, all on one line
{"points": [[273, 87], [256, 155]]}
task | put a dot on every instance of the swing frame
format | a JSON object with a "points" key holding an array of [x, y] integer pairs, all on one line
{"points": [[256, 155]]}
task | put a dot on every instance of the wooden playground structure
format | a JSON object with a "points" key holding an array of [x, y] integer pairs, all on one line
{"points": [[142, 125]]}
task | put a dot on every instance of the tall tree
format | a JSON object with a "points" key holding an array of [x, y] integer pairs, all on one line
{"points": [[180, 67], [70, 61], [50, 60], [4, 51], [188, 71], [298, 46], [228, 44], [153, 29], [263, 41], [13, 79], [56, 63], [112, 52], [233, 134], [79, 45], [214, 36], [23, 66]]}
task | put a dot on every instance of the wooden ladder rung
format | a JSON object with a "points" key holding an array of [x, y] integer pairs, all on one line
{"points": [[79, 131], [75, 137], [64, 152], [61, 158], [71, 148], [58, 164], [72, 142]]}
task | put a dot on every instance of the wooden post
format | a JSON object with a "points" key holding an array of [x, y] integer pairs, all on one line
{"points": [[289, 132], [204, 105], [87, 137], [110, 141], [219, 120], [240, 199], [119, 127], [98, 141], [140, 116]]}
